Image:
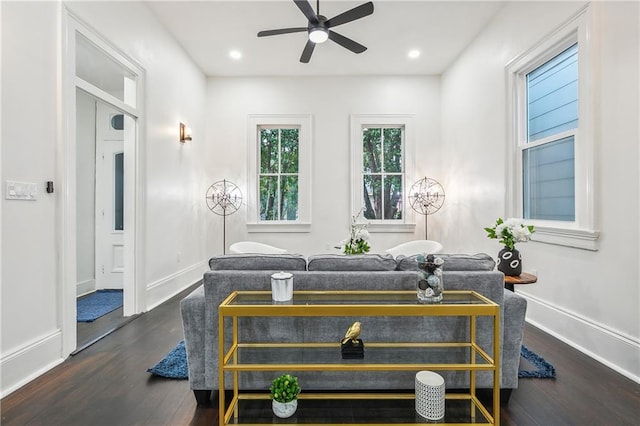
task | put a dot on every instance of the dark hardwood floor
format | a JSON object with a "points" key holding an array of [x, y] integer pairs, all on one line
{"points": [[107, 384]]}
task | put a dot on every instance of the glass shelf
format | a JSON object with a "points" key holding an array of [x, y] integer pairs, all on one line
{"points": [[356, 411], [391, 355]]}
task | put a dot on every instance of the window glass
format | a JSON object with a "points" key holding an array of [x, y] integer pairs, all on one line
{"points": [[382, 172], [552, 96], [548, 158], [278, 180], [118, 204], [98, 68], [549, 181]]}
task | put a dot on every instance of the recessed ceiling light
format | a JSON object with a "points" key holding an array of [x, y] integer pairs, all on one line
{"points": [[414, 53], [235, 54]]}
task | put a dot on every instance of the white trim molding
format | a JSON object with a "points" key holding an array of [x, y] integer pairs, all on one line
{"points": [[163, 289], [406, 121], [29, 361], [606, 345], [305, 139], [583, 232]]}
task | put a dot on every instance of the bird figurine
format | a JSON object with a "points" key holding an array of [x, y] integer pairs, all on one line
{"points": [[352, 333]]}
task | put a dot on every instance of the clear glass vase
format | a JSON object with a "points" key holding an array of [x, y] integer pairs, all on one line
{"points": [[430, 285]]}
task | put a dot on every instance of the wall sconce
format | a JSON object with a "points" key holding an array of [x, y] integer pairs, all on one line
{"points": [[185, 133]]}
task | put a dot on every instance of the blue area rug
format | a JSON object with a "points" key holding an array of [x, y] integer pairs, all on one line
{"points": [[97, 304], [544, 370], [174, 365]]}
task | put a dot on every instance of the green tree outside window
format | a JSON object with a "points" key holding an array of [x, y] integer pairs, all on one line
{"points": [[278, 179], [382, 172]]}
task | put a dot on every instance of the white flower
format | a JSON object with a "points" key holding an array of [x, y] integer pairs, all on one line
{"points": [[361, 234]]}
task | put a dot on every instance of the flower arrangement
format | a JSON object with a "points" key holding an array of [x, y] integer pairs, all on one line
{"points": [[284, 388], [358, 241], [510, 232]]}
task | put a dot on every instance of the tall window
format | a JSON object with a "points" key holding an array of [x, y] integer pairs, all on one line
{"points": [[548, 158], [279, 173], [382, 172], [382, 159], [551, 104], [279, 148]]}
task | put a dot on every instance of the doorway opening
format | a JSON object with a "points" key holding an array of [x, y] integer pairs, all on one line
{"points": [[103, 203], [100, 227]]}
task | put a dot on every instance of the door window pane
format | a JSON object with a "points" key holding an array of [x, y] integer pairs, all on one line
{"points": [[118, 202]]}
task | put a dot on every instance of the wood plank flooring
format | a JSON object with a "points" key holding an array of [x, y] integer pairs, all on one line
{"points": [[107, 384]]}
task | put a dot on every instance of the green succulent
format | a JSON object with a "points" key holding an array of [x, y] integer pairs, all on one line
{"points": [[284, 388]]}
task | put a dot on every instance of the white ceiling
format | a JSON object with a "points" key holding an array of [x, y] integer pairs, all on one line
{"points": [[209, 30]]}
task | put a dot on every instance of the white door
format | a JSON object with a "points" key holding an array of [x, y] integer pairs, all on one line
{"points": [[109, 198]]}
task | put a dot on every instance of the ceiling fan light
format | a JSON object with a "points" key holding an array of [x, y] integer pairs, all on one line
{"points": [[318, 35]]}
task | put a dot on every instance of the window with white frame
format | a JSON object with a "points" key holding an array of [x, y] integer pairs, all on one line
{"points": [[278, 174], [279, 169], [547, 154], [551, 89], [382, 172], [381, 146]]}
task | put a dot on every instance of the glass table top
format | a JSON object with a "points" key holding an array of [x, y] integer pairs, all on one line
{"points": [[354, 298]]}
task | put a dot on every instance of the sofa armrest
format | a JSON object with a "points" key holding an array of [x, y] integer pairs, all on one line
{"points": [[192, 309], [515, 309]]}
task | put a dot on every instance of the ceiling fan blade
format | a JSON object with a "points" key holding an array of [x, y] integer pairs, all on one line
{"points": [[351, 15], [306, 53], [346, 42], [282, 31], [306, 8]]}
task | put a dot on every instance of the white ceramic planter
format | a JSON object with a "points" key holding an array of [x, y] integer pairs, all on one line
{"points": [[282, 286], [284, 409]]}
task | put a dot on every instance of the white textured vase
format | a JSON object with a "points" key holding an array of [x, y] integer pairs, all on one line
{"points": [[284, 409]]}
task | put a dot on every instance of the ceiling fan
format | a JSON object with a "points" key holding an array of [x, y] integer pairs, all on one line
{"points": [[319, 27]]}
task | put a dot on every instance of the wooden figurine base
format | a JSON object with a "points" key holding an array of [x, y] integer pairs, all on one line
{"points": [[352, 350]]}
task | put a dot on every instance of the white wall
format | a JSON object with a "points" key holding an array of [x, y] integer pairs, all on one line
{"points": [[30, 322], [330, 101], [175, 180], [588, 299], [85, 184], [175, 175]]}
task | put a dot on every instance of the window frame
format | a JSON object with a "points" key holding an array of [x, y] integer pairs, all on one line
{"points": [[582, 232], [357, 122], [304, 123]]}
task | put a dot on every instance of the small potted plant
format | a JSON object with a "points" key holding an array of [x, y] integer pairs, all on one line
{"points": [[509, 232], [284, 394]]}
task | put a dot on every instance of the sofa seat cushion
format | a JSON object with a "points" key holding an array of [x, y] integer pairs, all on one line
{"points": [[258, 262], [452, 262], [355, 262]]}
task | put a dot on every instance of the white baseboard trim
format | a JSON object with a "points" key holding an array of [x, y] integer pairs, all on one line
{"points": [[165, 288], [26, 363], [85, 287], [617, 350]]}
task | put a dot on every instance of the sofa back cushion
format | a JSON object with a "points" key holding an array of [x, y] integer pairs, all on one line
{"points": [[452, 262], [258, 262], [355, 262]]}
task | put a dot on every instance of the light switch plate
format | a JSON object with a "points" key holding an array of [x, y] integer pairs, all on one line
{"points": [[27, 191]]}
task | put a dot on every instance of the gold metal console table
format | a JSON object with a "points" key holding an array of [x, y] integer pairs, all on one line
{"points": [[357, 304]]}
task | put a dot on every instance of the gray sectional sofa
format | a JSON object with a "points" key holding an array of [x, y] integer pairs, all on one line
{"points": [[338, 272]]}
